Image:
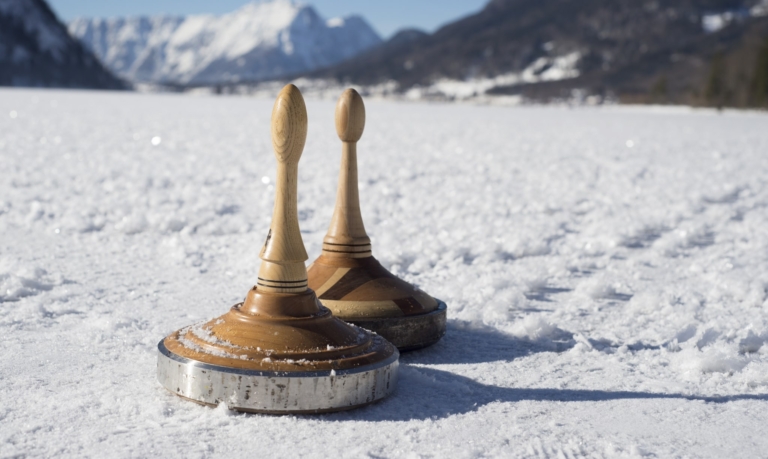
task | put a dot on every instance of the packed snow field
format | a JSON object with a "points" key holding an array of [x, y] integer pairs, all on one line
{"points": [[605, 269]]}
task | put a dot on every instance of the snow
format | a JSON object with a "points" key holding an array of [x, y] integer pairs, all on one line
{"points": [[335, 22], [545, 68], [713, 22], [472, 90], [315, 88], [604, 301], [760, 9], [260, 40]]}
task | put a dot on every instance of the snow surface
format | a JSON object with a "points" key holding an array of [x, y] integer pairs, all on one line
{"points": [[260, 40], [606, 272]]}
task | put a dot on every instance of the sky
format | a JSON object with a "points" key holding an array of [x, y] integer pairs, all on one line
{"points": [[386, 17]]}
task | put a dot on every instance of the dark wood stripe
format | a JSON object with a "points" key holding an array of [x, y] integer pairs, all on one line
{"points": [[349, 282], [348, 245], [282, 282], [408, 305], [345, 251], [282, 285]]}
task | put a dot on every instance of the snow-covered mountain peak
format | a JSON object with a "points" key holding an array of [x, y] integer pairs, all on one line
{"points": [[260, 40]]}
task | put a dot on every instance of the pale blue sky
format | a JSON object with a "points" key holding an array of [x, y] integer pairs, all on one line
{"points": [[386, 16]]}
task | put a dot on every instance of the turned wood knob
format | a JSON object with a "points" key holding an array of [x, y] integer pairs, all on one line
{"points": [[350, 116], [346, 236], [282, 269], [289, 125]]}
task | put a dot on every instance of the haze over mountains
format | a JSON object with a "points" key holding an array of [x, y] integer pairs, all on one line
{"points": [[259, 41], [36, 50]]}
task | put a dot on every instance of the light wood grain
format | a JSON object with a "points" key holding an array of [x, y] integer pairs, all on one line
{"points": [[346, 235], [350, 116], [281, 325], [347, 277], [283, 255]]}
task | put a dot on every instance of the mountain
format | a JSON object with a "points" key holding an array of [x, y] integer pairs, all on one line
{"points": [[544, 49], [36, 50], [261, 40]]}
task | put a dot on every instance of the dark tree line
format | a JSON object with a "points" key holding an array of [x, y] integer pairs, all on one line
{"points": [[739, 78]]}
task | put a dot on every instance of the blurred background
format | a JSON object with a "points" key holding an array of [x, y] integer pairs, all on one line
{"points": [[691, 52]]}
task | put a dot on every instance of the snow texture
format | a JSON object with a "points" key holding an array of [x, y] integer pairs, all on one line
{"points": [[605, 269], [259, 41]]}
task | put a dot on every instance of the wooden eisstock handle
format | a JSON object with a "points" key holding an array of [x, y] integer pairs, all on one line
{"points": [[282, 269], [346, 236]]}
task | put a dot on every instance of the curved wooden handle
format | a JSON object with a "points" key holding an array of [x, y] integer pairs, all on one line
{"points": [[289, 125], [282, 269], [346, 236], [350, 116]]}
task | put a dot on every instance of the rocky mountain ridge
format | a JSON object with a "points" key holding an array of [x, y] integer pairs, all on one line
{"points": [[36, 50], [638, 51], [259, 41]]}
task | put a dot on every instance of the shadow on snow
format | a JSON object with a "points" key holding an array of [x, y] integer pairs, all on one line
{"points": [[466, 343], [427, 393]]}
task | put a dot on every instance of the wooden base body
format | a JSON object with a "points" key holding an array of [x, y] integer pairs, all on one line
{"points": [[361, 291]]}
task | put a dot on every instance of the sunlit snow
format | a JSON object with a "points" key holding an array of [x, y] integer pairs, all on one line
{"points": [[605, 269]]}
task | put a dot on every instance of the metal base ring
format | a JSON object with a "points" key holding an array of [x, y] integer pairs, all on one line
{"points": [[410, 332], [276, 392]]}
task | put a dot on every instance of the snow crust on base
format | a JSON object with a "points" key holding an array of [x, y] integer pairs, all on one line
{"points": [[605, 272]]}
